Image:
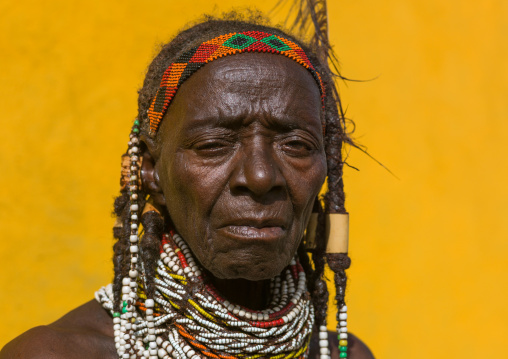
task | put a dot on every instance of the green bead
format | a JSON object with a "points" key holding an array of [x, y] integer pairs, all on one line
{"points": [[343, 349], [124, 310], [116, 314], [136, 122], [135, 130], [343, 355]]}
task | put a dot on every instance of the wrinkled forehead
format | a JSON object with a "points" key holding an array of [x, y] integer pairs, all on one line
{"points": [[237, 91], [225, 45]]}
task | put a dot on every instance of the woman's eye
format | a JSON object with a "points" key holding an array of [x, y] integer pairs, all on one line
{"points": [[297, 148], [212, 147]]}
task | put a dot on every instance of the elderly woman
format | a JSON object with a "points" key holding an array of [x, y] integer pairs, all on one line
{"points": [[238, 128]]}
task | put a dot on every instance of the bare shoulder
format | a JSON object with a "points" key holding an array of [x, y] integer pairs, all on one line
{"points": [[85, 332], [356, 348]]}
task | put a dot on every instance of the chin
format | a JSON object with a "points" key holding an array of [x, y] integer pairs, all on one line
{"points": [[250, 270]]}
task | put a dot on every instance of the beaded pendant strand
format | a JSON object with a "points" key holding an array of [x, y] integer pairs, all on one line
{"points": [[342, 332], [124, 321], [324, 346]]}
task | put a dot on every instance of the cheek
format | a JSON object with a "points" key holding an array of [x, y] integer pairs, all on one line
{"points": [[305, 181], [192, 191], [197, 183]]}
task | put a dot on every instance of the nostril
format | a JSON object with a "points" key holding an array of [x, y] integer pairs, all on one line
{"points": [[257, 172], [240, 190]]}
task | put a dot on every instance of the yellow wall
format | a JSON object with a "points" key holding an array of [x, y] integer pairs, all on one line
{"points": [[429, 277]]}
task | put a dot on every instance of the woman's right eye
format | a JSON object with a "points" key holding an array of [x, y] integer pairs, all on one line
{"points": [[212, 147]]}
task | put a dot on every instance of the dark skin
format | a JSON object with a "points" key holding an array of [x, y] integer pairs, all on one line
{"points": [[240, 155], [242, 165]]}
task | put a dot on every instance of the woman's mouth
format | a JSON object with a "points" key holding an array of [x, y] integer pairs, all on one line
{"points": [[242, 232]]}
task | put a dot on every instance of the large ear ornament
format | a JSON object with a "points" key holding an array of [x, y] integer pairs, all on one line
{"points": [[337, 231], [310, 232]]}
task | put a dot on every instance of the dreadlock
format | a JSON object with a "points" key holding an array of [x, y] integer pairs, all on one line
{"points": [[332, 202]]}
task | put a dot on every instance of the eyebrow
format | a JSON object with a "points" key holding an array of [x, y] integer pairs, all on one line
{"points": [[236, 122]]}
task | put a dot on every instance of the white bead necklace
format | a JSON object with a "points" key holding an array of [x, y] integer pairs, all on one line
{"points": [[221, 327]]}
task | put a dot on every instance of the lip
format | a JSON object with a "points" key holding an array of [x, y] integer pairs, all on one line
{"points": [[253, 233], [269, 229]]}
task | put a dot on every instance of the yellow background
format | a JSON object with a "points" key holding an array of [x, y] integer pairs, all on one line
{"points": [[429, 250]]}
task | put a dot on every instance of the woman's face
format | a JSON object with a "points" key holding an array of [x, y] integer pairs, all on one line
{"points": [[240, 161]]}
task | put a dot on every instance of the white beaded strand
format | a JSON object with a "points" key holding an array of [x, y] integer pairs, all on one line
{"points": [[342, 331], [127, 346]]}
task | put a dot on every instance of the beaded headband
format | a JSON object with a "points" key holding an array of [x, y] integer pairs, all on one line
{"points": [[220, 46]]}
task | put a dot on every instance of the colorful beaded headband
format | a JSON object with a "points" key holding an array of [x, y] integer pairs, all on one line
{"points": [[230, 44]]}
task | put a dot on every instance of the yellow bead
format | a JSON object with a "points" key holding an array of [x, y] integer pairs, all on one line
{"points": [[343, 343]]}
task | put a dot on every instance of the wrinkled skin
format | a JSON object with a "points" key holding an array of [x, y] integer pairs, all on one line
{"points": [[241, 161], [238, 162]]}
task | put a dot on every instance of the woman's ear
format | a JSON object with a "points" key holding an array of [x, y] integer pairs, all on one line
{"points": [[149, 174]]}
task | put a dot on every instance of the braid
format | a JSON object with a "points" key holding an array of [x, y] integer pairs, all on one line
{"points": [[338, 263], [320, 290], [121, 233], [121, 247], [153, 225], [334, 198]]}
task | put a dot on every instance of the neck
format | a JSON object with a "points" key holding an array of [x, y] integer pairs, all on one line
{"points": [[250, 294]]}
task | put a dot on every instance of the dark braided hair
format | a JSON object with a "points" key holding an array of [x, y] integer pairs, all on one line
{"points": [[332, 202]]}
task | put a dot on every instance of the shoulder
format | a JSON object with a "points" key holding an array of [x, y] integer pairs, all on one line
{"points": [[85, 332], [356, 348]]}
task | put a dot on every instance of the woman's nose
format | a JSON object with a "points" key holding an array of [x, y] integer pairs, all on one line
{"points": [[257, 171]]}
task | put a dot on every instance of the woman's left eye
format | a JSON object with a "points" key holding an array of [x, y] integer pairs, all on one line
{"points": [[297, 147]]}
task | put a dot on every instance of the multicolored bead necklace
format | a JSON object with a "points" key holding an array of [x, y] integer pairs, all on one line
{"points": [[179, 324]]}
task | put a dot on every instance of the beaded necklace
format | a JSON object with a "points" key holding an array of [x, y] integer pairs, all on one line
{"points": [[180, 322]]}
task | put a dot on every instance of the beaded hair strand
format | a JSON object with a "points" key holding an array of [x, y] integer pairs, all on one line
{"points": [[311, 17], [332, 202]]}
